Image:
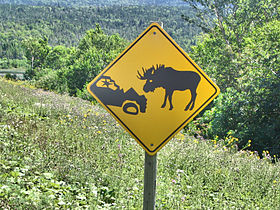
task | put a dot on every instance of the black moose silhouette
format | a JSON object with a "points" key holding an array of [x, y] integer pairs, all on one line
{"points": [[170, 80]]}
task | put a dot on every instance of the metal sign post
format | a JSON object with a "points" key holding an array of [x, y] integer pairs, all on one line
{"points": [[150, 177]]}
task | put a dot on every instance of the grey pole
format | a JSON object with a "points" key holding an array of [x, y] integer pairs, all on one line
{"points": [[150, 177]]}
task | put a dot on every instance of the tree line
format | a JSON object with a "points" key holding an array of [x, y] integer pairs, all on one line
{"points": [[67, 25], [72, 3]]}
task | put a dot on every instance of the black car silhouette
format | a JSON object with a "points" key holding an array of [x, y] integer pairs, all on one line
{"points": [[109, 93]]}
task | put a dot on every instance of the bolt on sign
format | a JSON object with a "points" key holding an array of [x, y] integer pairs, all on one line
{"points": [[153, 89]]}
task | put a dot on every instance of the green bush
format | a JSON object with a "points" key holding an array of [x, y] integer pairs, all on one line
{"points": [[4, 64], [249, 115], [84, 94], [51, 80], [249, 105], [10, 76], [68, 69]]}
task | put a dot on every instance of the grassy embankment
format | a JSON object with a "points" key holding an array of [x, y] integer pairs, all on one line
{"points": [[58, 151]]}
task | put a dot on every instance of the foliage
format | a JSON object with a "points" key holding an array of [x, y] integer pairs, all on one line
{"points": [[68, 69], [36, 51], [228, 24], [10, 76], [94, 2], [241, 53], [253, 112], [12, 63], [58, 151], [94, 52], [67, 25]]}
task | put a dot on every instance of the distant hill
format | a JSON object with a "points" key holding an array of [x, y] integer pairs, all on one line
{"points": [[67, 25], [95, 2]]}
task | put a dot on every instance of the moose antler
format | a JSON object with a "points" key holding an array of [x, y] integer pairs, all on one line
{"points": [[140, 76], [147, 74], [160, 66]]}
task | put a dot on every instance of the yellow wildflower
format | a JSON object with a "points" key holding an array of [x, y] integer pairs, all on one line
{"points": [[196, 141]]}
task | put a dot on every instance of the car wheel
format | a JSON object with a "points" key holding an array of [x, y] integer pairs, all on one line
{"points": [[131, 108]]}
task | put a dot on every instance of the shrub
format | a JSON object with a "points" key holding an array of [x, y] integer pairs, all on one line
{"points": [[51, 80], [10, 76], [250, 115]]}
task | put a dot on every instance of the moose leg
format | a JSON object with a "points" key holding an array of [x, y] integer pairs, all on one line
{"points": [[188, 106], [193, 99], [193, 94], [170, 100], [164, 102]]}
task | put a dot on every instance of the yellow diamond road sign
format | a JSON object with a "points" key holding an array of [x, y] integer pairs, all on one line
{"points": [[153, 89]]}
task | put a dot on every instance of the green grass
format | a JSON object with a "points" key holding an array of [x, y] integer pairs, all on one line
{"points": [[58, 151]]}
